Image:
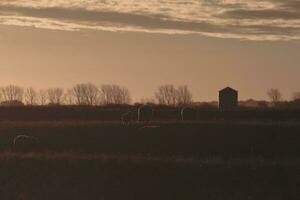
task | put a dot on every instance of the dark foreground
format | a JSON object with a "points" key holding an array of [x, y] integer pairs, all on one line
{"points": [[197, 139], [111, 177], [215, 160]]}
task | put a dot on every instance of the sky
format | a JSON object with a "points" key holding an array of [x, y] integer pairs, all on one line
{"points": [[250, 45]]}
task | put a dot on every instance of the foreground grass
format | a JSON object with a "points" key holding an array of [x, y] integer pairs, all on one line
{"points": [[218, 138], [103, 176], [109, 161]]}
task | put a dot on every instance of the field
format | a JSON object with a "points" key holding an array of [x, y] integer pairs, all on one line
{"points": [[171, 138], [161, 160], [68, 176]]}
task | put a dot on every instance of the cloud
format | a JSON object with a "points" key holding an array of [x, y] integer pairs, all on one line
{"points": [[241, 19], [262, 14]]}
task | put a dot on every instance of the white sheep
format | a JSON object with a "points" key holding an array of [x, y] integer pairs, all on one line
{"points": [[128, 117], [25, 143], [145, 114], [188, 113]]}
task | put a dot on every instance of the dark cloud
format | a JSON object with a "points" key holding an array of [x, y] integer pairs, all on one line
{"points": [[291, 5], [261, 14], [266, 30], [258, 20], [101, 17]]}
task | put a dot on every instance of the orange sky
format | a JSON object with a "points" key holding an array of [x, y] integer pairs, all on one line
{"points": [[142, 62], [129, 44]]}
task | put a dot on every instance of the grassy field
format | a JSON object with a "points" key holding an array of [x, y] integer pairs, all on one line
{"points": [[218, 138], [69, 176], [165, 160]]}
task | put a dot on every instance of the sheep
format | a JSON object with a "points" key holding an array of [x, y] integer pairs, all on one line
{"points": [[145, 114], [25, 143], [128, 117], [188, 113]]}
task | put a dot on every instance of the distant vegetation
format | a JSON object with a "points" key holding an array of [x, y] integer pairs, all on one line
{"points": [[111, 177], [88, 94]]}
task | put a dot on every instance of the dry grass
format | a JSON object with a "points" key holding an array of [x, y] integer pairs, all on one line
{"points": [[105, 160], [73, 176]]}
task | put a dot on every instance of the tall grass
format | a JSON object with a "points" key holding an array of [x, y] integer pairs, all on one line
{"points": [[106, 160], [70, 176], [200, 139]]}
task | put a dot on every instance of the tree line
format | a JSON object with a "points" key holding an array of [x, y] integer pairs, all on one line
{"points": [[276, 96], [91, 95], [107, 94]]}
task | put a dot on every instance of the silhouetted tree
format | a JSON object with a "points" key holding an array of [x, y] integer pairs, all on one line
{"points": [[69, 98], [55, 96], [184, 96], [86, 94], [275, 95], [114, 94], [12, 93], [12, 103], [42, 97], [30, 96], [166, 95], [169, 95], [123, 96], [296, 96]]}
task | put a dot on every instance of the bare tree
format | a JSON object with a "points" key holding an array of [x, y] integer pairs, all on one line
{"points": [[12, 93], [296, 96], [275, 95], [69, 98], [123, 95], [42, 97], [114, 94], [86, 94], [30, 96], [107, 94], [55, 96], [166, 95], [184, 96], [1, 95]]}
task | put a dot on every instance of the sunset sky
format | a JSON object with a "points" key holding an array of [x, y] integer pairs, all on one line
{"points": [[207, 44]]}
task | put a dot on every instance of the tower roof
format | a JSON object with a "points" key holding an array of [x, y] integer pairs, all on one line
{"points": [[228, 89]]}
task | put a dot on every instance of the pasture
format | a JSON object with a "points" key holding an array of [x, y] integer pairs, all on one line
{"points": [[171, 138], [69, 176], [162, 160]]}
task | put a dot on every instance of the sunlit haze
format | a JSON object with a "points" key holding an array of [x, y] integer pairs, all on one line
{"points": [[210, 44]]}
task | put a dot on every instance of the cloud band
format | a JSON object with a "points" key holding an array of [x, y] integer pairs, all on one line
{"points": [[248, 20]]}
